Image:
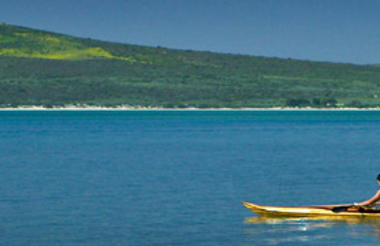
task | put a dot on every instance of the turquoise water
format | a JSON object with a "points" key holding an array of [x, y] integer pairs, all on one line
{"points": [[178, 178]]}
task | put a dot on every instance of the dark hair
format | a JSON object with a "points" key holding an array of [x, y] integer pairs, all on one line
{"points": [[378, 177]]}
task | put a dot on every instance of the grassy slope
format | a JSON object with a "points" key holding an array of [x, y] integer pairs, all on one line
{"points": [[43, 68]]}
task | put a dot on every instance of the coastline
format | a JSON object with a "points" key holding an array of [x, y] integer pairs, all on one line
{"points": [[139, 108]]}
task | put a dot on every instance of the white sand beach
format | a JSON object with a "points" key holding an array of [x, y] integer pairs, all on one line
{"points": [[141, 108]]}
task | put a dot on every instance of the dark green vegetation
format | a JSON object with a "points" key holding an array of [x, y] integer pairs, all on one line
{"points": [[42, 68]]}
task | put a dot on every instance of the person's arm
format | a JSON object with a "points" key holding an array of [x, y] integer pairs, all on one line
{"points": [[371, 201]]}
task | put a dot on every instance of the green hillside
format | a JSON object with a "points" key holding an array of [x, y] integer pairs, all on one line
{"points": [[44, 68]]}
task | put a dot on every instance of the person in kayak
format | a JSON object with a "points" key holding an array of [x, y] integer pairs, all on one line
{"points": [[372, 201]]}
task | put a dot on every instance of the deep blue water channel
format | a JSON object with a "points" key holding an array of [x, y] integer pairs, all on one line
{"points": [[178, 178]]}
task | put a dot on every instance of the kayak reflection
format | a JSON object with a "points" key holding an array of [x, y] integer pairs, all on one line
{"points": [[328, 220], [279, 230]]}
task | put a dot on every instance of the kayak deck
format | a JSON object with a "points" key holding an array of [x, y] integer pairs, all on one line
{"points": [[306, 211]]}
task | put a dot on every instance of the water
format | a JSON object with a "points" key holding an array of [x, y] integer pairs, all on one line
{"points": [[178, 178]]}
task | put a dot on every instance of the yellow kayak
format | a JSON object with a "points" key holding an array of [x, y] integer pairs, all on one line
{"points": [[311, 211]]}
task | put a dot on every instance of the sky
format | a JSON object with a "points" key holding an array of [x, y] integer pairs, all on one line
{"points": [[319, 30]]}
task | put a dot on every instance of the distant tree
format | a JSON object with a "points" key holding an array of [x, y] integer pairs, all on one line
{"points": [[355, 104], [316, 102], [297, 102]]}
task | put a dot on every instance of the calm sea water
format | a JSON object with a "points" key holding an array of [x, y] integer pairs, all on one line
{"points": [[178, 178]]}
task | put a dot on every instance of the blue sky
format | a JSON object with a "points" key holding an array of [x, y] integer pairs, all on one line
{"points": [[319, 30]]}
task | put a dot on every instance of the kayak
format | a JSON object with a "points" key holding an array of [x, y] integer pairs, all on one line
{"points": [[310, 211]]}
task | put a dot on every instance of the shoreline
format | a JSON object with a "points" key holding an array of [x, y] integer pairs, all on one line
{"points": [[138, 108]]}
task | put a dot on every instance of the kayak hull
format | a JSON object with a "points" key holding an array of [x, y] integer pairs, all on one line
{"points": [[306, 211]]}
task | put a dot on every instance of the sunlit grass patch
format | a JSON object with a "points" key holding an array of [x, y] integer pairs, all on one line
{"points": [[72, 54], [21, 42]]}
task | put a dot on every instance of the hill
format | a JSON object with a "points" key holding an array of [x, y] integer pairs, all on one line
{"points": [[50, 69]]}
